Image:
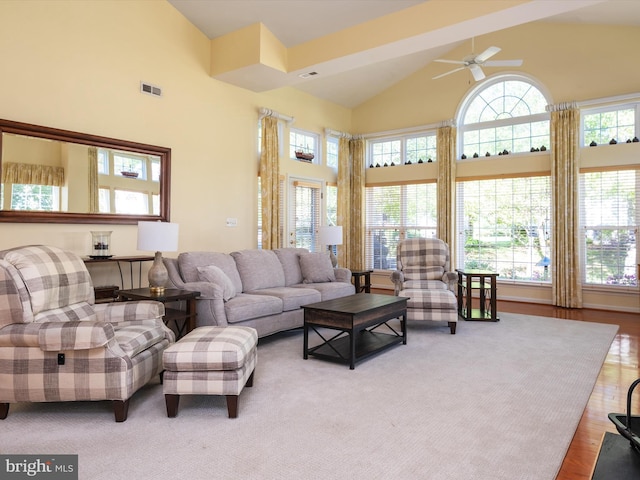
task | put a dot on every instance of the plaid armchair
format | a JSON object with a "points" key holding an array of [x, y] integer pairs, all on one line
{"points": [[56, 345], [423, 276]]}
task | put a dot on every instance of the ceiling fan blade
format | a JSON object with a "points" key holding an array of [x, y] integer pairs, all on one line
{"points": [[477, 72], [448, 73], [457, 62], [503, 63], [488, 53]]}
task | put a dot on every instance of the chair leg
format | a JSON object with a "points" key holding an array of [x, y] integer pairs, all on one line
{"points": [[452, 326], [121, 409], [172, 402], [232, 406], [250, 380], [4, 410]]}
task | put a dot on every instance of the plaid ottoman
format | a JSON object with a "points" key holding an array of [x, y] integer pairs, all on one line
{"points": [[435, 305], [210, 361]]}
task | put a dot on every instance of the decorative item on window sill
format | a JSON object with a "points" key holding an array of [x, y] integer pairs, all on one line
{"points": [[129, 174], [100, 245], [304, 154]]}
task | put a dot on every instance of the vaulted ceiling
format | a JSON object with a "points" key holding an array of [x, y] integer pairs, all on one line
{"points": [[355, 46]]}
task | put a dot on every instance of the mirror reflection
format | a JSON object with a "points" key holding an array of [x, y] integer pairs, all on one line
{"points": [[59, 176]]}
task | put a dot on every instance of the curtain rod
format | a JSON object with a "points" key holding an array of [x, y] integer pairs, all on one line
{"points": [[265, 112], [336, 133]]}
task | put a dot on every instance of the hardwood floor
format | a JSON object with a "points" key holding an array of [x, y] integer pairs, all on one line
{"points": [[609, 394]]}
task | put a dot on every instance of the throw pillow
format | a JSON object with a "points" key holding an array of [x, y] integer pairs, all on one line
{"points": [[316, 268], [213, 274]]}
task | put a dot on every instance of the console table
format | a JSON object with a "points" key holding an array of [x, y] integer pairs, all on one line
{"points": [[123, 259], [184, 320], [485, 283]]}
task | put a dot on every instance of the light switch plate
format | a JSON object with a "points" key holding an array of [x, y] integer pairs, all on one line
{"points": [[232, 222]]}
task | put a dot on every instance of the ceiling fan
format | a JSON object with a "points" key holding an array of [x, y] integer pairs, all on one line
{"points": [[474, 62]]}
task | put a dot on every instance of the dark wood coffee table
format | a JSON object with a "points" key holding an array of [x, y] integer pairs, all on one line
{"points": [[357, 319]]}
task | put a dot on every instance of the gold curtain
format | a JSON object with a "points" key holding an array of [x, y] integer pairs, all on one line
{"points": [[269, 179], [94, 203], [28, 174], [446, 141], [356, 243], [565, 252], [350, 202]]}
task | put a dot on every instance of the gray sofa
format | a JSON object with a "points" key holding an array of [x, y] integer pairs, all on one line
{"points": [[263, 289]]}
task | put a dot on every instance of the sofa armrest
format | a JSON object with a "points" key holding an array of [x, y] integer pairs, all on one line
{"points": [[342, 274]]}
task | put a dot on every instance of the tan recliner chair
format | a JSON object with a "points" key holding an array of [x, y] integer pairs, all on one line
{"points": [[57, 346], [423, 275]]}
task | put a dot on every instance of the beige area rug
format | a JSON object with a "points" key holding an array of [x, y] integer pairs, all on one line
{"points": [[495, 401]]}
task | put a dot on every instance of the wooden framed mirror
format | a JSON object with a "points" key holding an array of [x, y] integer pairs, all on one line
{"points": [[49, 175]]}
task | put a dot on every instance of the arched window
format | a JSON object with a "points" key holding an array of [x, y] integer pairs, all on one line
{"points": [[503, 220], [504, 115]]}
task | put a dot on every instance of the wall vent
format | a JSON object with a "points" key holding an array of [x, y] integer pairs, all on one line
{"points": [[308, 74], [150, 89]]}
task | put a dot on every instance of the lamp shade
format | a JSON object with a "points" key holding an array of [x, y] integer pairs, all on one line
{"points": [[330, 235], [158, 236]]}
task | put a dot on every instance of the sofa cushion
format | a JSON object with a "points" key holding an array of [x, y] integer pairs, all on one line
{"points": [[290, 260], [258, 269], [292, 298], [316, 267], [245, 307], [214, 274], [329, 290], [190, 261]]}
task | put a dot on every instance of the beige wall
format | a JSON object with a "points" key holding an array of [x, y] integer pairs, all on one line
{"points": [[78, 66]]}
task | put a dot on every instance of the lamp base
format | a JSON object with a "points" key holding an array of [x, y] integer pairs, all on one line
{"points": [[334, 260], [158, 275], [157, 291]]}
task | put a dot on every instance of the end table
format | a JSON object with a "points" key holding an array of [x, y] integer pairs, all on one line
{"points": [[183, 320], [357, 275], [485, 283]]}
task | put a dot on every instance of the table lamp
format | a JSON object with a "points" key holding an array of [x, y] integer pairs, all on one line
{"points": [[158, 237], [330, 236]]}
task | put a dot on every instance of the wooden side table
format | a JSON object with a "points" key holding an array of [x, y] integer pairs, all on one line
{"points": [[362, 274], [485, 283], [183, 320]]}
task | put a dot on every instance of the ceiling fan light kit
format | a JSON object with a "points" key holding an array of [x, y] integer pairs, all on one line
{"points": [[474, 63]]}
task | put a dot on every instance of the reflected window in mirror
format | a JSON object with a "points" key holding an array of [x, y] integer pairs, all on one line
{"points": [[129, 184]]}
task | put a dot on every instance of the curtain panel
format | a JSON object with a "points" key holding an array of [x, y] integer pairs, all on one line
{"points": [[446, 144], [269, 180], [94, 203], [29, 174], [565, 252]]}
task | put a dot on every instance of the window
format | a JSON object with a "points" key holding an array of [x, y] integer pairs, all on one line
{"points": [[504, 116], [403, 150], [332, 204], [603, 125], [44, 198], [394, 213], [332, 152], [504, 226], [304, 146], [304, 214], [609, 218]]}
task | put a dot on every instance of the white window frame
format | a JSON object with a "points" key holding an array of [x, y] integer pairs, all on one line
{"points": [[314, 148]]}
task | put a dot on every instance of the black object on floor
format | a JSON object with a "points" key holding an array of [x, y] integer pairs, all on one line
{"points": [[617, 459]]}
